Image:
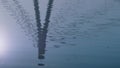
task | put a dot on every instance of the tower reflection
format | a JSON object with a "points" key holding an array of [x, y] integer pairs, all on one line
{"points": [[42, 32]]}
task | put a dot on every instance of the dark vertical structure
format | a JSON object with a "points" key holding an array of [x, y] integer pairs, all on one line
{"points": [[37, 15], [41, 49], [45, 28], [42, 32]]}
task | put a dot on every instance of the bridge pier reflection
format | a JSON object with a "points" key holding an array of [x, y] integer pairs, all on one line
{"points": [[42, 32]]}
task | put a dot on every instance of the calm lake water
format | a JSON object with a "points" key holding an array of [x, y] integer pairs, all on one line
{"points": [[59, 34]]}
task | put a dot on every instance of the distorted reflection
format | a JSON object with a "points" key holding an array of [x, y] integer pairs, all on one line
{"points": [[42, 32], [76, 33]]}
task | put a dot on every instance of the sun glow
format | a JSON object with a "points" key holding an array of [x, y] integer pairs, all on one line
{"points": [[3, 41]]}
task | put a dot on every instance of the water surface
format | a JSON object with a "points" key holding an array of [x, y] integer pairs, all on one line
{"points": [[73, 34]]}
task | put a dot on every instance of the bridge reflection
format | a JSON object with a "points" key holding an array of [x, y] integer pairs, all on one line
{"points": [[42, 32]]}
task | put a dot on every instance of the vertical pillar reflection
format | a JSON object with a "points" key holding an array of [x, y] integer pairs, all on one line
{"points": [[42, 32]]}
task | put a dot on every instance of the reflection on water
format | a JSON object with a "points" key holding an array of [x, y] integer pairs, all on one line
{"points": [[22, 17], [75, 34], [42, 32]]}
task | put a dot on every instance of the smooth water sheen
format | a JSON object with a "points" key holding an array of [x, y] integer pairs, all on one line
{"points": [[75, 34]]}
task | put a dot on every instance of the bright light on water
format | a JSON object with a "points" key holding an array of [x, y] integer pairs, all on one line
{"points": [[3, 41]]}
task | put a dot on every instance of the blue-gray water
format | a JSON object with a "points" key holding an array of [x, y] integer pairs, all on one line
{"points": [[80, 34]]}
